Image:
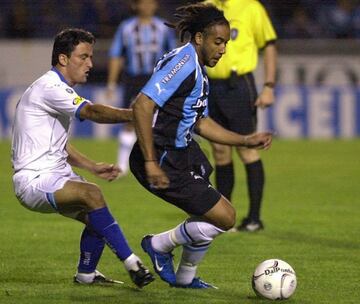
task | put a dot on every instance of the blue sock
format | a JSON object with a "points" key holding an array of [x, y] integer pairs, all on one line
{"points": [[104, 224], [91, 248]]}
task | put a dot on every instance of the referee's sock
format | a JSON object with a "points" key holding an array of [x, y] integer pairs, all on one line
{"points": [[224, 177], [255, 181]]}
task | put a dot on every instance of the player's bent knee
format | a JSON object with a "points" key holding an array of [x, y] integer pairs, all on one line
{"points": [[92, 196], [222, 215], [229, 219]]}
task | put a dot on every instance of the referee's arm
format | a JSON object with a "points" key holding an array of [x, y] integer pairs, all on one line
{"points": [[266, 97]]}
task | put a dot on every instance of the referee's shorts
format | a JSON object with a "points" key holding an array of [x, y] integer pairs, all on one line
{"points": [[132, 87], [232, 103]]}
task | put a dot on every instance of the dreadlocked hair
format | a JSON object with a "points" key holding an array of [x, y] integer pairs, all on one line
{"points": [[196, 18]]}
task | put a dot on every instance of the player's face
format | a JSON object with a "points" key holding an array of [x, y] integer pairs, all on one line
{"points": [[79, 63], [213, 44], [146, 8]]}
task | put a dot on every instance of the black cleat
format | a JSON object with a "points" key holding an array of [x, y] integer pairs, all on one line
{"points": [[98, 279], [142, 276], [248, 225]]}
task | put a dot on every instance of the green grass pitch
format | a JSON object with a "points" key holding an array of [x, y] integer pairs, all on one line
{"points": [[311, 213]]}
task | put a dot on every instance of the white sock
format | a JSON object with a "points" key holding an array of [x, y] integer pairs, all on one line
{"points": [[126, 142], [185, 273], [164, 242], [192, 255], [188, 232], [85, 278], [131, 262]]}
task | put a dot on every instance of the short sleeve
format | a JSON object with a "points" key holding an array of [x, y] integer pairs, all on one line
{"points": [[165, 81], [63, 99], [263, 28]]}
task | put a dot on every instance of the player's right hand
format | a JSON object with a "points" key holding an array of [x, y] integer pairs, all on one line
{"points": [[260, 140], [156, 177]]}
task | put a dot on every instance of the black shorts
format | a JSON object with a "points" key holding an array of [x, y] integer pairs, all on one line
{"points": [[188, 171], [232, 103], [132, 87]]}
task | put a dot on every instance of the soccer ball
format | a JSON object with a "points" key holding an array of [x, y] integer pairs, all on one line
{"points": [[274, 279]]}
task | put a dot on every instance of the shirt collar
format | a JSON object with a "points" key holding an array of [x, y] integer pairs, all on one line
{"points": [[62, 78]]}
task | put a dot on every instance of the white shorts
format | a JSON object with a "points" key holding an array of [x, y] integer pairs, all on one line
{"points": [[36, 191]]}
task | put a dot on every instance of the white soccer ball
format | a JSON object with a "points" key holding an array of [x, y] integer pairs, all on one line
{"points": [[274, 279]]}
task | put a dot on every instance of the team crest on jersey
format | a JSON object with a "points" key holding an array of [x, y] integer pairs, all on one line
{"points": [[70, 91], [234, 33], [175, 69], [78, 100]]}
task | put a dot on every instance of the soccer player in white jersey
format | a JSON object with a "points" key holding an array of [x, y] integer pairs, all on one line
{"points": [[42, 157]]}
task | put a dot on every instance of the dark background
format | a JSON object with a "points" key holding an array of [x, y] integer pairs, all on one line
{"points": [[299, 19]]}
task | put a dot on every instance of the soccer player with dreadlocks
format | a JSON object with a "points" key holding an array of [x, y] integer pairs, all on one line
{"points": [[168, 162]]}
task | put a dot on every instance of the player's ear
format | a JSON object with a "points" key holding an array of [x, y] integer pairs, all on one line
{"points": [[198, 38], [63, 59]]}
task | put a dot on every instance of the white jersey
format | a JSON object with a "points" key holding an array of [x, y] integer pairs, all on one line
{"points": [[42, 123]]}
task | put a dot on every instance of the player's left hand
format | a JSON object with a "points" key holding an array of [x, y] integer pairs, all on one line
{"points": [[156, 177], [106, 171], [266, 98]]}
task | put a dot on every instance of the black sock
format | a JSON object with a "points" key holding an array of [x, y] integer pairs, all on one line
{"points": [[224, 176], [255, 182]]}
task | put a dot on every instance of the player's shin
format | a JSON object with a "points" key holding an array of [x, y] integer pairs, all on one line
{"points": [[91, 248], [104, 224], [191, 257]]}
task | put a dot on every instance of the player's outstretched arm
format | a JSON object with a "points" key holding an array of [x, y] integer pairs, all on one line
{"points": [[106, 171], [105, 114], [209, 129]]}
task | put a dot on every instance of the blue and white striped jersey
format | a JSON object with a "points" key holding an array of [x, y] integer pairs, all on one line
{"points": [[142, 45], [180, 88]]}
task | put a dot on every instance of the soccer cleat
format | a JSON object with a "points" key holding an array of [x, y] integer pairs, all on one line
{"points": [[196, 283], [163, 262], [142, 276], [248, 225], [99, 278]]}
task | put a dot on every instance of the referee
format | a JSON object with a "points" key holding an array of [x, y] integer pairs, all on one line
{"points": [[233, 99]]}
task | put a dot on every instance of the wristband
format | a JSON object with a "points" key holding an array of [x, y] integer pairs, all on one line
{"points": [[269, 84], [150, 160]]}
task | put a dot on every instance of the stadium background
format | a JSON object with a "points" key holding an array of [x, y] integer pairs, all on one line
{"points": [[317, 94], [311, 209]]}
